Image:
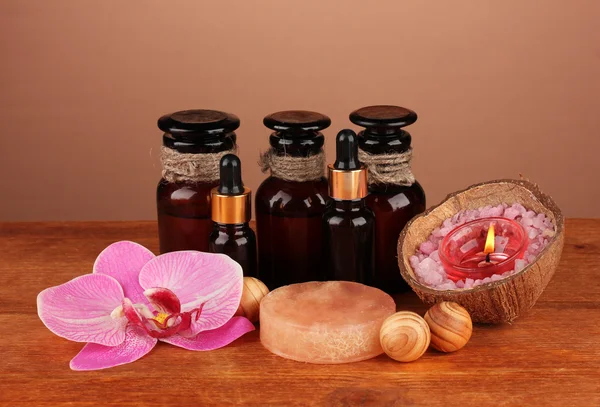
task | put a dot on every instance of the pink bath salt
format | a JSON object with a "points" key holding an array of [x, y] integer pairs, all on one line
{"points": [[527, 222], [445, 230], [532, 233], [427, 247], [530, 258], [447, 227], [469, 281], [448, 285], [520, 264], [472, 215], [436, 233], [499, 210], [435, 256], [433, 279], [431, 272], [491, 211], [520, 208], [496, 277], [511, 213], [538, 221], [483, 212], [414, 262], [460, 284]]}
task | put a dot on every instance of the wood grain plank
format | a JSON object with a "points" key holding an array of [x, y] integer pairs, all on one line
{"points": [[550, 357]]}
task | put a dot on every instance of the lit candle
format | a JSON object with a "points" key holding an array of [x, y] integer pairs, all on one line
{"points": [[471, 250], [488, 257]]}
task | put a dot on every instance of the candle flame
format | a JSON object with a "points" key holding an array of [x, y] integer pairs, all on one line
{"points": [[489, 241]]}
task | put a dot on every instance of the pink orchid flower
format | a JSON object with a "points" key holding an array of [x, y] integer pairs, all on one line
{"points": [[133, 299]]}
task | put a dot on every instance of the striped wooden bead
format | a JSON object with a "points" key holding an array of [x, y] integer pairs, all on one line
{"points": [[451, 326], [404, 336]]}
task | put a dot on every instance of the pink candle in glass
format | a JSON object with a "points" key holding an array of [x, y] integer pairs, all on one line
{"points": [[482, 248]]}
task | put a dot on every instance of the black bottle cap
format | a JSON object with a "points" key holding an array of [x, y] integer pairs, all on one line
{"points": [[297, 121], [202, 122], [383, 117], [346, 151], [231, 175]]}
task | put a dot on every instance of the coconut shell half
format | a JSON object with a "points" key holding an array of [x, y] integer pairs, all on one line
{"points": [[498, 301]]}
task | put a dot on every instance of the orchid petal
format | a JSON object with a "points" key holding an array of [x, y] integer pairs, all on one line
{"points": [[123, 261], [216, 338], [131, 313], [80, 310], [197, 278], [94, 357], [163, 300]]}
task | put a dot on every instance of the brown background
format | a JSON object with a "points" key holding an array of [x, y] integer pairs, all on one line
{"points": [[501, 88]]}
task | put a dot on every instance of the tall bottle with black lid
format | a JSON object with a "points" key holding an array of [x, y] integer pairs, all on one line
{"points": [[193, 143], [290, 203], [394, 194], [348, 223]]}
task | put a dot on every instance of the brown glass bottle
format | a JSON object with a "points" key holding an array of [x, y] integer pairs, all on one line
{"points": [[231, 212], [348, 225], [393, 205], [289, 213], [184, 210], [238, 242]]}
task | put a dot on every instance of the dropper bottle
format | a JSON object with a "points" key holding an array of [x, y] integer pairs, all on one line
{"points": [[348, 224], [231, 213]]}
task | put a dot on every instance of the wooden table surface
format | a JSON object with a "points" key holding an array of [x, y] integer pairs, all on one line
{"points": [[549, 357]]}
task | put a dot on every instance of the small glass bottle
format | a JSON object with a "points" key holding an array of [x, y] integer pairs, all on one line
{"points": [[231, 213], [348, 224], [394, 196], [193, 143], [290, 203]]}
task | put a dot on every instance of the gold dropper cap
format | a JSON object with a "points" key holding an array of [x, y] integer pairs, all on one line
{"points": [[231, 202], [231, 209], [347, 185], [347, 176]]}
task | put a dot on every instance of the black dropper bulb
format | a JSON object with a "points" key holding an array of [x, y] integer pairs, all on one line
{"points": [[231, 175], [346, 151]]}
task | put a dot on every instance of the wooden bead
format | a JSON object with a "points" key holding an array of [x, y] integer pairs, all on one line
{"points": [[404, 336], [450, 326], [253, 293]]}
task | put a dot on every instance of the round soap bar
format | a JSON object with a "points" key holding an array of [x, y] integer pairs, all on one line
{"points": [[324, 322]]}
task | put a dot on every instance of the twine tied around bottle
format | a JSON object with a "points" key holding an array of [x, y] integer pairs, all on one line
{"points": [[180, 167], [299, 169], [391, 168]]}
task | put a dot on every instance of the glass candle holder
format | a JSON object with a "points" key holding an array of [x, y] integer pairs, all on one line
{"points": [[464, 253]]}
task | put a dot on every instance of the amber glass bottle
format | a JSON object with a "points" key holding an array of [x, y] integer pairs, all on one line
{"points": [[231, 213], [183, 194], [288, 210], [392, 203], [348, 225]]}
